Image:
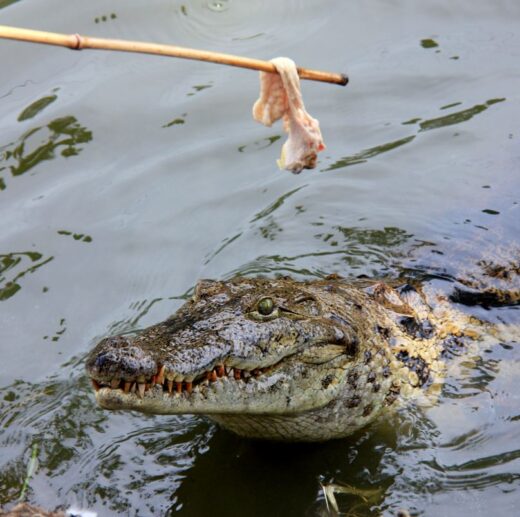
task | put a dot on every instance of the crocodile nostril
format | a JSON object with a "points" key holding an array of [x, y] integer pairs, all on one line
{"points": [[102, 361]]}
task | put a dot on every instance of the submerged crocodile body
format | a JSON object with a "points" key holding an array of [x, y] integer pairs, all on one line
{"points": [[280, 359]]}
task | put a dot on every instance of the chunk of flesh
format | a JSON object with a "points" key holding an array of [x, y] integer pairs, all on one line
{"points": [[280, 97]]}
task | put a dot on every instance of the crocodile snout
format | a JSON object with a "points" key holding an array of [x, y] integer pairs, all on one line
{"points": [[119, 357]]}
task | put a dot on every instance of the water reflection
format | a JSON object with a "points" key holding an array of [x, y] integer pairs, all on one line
{"points": [[141, 466], [276, 204], [429, 43], [343, 249], [105, 18], [83, 237], [61, 330], [426, 125], [176, 121], [252, 36], [38, 144], [140, 309], [5, 3], [457, 117], [448, 106], [252, 468], [199, 88], [117, 461], [33, 109], [53, 415], [14, 266], [274, 264], [364, 155], [469, 445], [259, 145], [225, 243], [360, 244], [268, 229], [356, 250]]}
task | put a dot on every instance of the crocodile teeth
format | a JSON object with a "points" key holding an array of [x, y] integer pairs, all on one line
{"points": [[141, 386], [176, 383], [114, 383], [127, 386], [133, 388], [159, 379]]}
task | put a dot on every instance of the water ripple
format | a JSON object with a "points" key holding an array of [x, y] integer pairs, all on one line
{"points": [[229, 24]]}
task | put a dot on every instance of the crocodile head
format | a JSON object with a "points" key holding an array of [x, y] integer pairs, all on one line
{"points": [[244, 347]]}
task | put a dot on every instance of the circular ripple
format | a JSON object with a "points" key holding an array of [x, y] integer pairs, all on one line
{"points": [[232, 23]]}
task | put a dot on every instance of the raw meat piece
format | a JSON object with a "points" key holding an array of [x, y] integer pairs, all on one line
{"points": [[280, 96]]}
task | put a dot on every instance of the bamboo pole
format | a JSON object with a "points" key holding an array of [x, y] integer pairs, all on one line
{"points": [[77, 42]]}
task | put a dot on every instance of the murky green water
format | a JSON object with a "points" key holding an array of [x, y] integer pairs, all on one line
{"points": [[125, 178]]}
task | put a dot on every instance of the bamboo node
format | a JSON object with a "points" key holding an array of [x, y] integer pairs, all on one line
{"points": [[78, 42]]}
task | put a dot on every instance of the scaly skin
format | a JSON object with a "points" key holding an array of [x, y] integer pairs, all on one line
{"points": [[279, 359]]}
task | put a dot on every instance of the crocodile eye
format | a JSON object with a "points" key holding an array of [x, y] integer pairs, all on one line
{"points": [[265, 306]]}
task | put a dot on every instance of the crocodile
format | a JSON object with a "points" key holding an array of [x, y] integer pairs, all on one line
{"points": [[287, 360]]}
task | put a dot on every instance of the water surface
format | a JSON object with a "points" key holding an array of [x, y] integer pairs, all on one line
{"points": [[125, 178]]}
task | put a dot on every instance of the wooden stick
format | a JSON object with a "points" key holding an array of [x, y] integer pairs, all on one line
{"points": [[77, 42]]}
